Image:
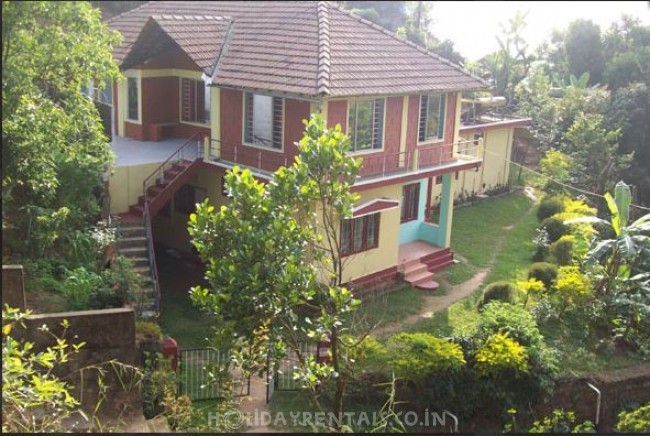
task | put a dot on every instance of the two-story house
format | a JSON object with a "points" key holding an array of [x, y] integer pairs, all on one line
{"points": [[210, 85]]}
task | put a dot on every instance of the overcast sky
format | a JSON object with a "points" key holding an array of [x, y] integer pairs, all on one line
{"points": [[473, 25]]}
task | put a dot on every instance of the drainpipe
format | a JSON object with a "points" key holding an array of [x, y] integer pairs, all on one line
{"points": [[598, 393]]}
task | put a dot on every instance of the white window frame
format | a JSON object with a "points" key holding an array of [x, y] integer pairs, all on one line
{"points": [[282, 122], [431, 140], [352, 102]]}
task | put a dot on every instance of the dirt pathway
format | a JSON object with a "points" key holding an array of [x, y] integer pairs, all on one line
{"points": [[454, 293]]}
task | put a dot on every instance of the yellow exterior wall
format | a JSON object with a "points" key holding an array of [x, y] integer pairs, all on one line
{"points": [[172, 231], [125, 185], [494, 171], [386, 254]]}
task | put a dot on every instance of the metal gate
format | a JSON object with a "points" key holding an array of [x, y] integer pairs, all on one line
{"points": [[202, 373], [283, 378]]}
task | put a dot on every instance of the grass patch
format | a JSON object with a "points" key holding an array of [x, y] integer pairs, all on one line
{"points": [[183, 321], [458, 273], [458, 319], [475, 239], [388, 308], [476, 229], [514, 258]]}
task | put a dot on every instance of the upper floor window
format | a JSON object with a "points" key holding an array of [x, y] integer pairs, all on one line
{"points": [[132, 99], [359, 234], [366, 124], [263, 120], [432, 117], [195, 101]]}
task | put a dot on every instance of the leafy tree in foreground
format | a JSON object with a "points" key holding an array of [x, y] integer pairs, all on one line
{"points": [[53, 148], [274, 262]]}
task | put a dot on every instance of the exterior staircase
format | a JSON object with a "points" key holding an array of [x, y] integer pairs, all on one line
{"points": [[420, 272], [132, 244], [163, 187], [136, 236]]}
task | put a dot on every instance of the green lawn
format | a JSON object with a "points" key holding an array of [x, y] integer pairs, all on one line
{"points": [[458, 273], [476, 229], [183, 321], [397, 305], [473, 235]]}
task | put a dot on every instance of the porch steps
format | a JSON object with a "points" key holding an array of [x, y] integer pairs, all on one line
{"points": [[418, 275], [132, 244], [438, 260]]}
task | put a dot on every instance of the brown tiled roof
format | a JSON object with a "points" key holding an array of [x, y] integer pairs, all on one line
{"points": [[310, 48], [201, 37]]}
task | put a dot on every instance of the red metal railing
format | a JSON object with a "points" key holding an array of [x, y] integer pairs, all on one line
{"points": [[191, 150]]}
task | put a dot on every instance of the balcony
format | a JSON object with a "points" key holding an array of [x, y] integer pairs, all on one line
{"points": [[373, 168]]}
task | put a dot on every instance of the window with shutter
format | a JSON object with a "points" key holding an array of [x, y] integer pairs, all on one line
{"points": [[195, 101], [263, 117], [366, 124], [432, 118]]}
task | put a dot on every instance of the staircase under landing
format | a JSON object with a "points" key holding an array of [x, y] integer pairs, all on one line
{"points": [[420, 260]]}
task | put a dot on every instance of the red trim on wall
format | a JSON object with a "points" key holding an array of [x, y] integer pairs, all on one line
{"points": [[375, 206], [409, 177], [376, 277]]}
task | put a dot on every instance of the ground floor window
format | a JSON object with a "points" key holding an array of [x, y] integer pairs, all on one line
{"points": [[410, 202], [360, 234]]}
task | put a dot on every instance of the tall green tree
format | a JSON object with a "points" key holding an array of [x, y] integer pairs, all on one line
{"points": [[594, 152], [628, 109], [584, 50], [275, 263], [54, 151], [508, 66], [626, 48]]}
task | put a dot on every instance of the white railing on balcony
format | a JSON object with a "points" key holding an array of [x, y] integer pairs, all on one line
{"points": [[373, 165]]}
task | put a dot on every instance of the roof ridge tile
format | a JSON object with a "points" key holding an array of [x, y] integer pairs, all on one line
{"points": [[323, 49]]}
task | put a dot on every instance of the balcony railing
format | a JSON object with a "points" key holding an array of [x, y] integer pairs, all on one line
{"points": [[253, 157], [374, 165]]}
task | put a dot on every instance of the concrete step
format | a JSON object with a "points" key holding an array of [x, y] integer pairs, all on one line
{"points": [[429, 285], [137, 241], [441, 265], [140, 261], [415, 268], [137, 209], [133, 251], [419, 277], [142, 270], [132, 232]]}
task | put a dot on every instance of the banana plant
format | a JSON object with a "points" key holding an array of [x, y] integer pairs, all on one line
{"points": [[622, 258]]}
